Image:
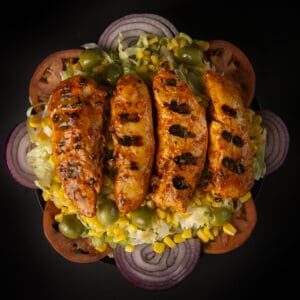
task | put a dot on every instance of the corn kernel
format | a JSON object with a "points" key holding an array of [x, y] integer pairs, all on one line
{"points": [[139, 55], [202, 236], [246, 197], [152, 67], [95, 233], [42, 136], [153, 40], [129, 248], [169, 219], [182, 43], [187, 234], [102, 248], [161, 214], [169, 242], [46, 195], [215, 231], [154, 60], [46, 122], [132, 227], [110, 231], [229, 229], [119, 236], [158, 247], [178, 238], [123, 222], [150, 204], [34, 121], [208, 233], [58, 218]]}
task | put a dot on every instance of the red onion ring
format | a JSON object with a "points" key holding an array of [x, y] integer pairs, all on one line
{"points": [[17, 146], [136, 24], [277, 140], [149, 270]]}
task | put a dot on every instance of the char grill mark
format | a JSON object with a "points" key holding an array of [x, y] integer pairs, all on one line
{"points": [[233, 165], [130, 140], [134, 165], [179, 183], [236, 140], [183, 108], [125, 117], [185, 159], [181, 131], [171, 82], [229, 111]]}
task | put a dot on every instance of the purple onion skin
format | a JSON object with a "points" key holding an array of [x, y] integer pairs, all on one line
{"points": [[277, 140], [179, 262], [11, 162]]}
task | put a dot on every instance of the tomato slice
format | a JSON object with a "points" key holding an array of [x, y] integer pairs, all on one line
{"points": [[47, 75], [233, 63], [244, 221], [77, 250]]}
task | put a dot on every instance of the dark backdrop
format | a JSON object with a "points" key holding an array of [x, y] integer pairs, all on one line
{"points": [[266, 263]]}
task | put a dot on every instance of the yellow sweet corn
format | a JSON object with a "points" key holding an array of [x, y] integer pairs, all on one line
{"points": [[215, 231], [169, 242], [129, 248], [202, 236], [246, 197], [208, 233], [154, 60], [158, 247], [150, 204], [95, 233], [102, 248], [178, 238], [34, 121], [132, 227], [122, 222], [229, 229], [58, 218], [169, 219], [152, 67], [161, 214], [153, 40], [187, 234], [119, 235], [139, 55], [46, 195], [42, 136]]}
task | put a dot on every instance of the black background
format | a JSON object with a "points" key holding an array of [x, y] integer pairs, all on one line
{"points": [[267, 262]]}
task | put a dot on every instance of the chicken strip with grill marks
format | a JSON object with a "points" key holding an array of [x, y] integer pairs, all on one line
{"points": [[133, 140], [76, 111], [182, 141], [230, 151]]}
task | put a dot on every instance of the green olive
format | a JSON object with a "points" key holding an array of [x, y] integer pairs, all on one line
{"points": [[71, 227], [98, 241], [142, 217], [90, 58], [107, 212], [190, 55], [220, 215], [112, 73]]}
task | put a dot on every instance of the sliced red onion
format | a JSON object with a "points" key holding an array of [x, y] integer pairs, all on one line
{"points": [[277, 140], [17, 147], [133, 26], [149, 270]]}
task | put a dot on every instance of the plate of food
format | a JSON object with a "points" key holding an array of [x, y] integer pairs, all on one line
{"points": [[146, 149]]}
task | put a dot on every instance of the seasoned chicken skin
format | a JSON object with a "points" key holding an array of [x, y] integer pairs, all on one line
{"points": [[133, 140], [182, 141], [76, 111], [230, 150]]}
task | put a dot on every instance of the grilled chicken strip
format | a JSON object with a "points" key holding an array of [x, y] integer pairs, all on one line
{"points": [[182, 141], [133, 139], [76, 111], [230, 150]]}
